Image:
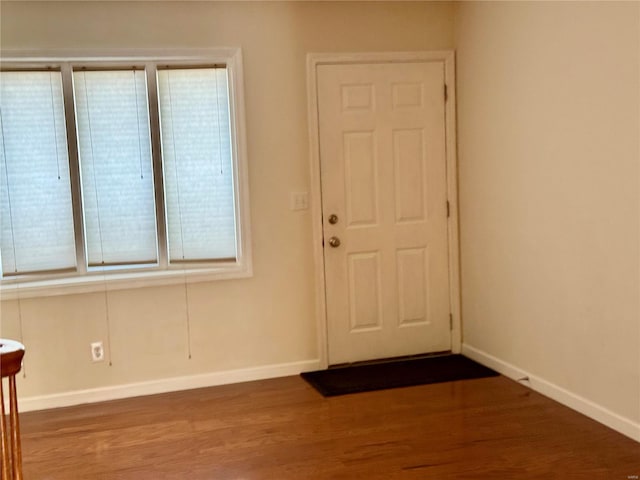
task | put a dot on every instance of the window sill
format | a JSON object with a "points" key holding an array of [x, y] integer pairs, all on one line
{"points": [[120, 281]]}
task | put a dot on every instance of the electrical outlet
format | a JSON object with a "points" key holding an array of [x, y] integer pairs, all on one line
{"points": [[97, 352]]}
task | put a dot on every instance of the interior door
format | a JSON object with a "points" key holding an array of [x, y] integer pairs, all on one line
{"points": [[384, 202]]}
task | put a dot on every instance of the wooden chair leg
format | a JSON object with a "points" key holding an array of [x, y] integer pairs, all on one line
{"points": [[16, 447], [6, 466]]}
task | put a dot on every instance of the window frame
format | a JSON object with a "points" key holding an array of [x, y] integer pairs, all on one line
{"points": [[90, 279]]}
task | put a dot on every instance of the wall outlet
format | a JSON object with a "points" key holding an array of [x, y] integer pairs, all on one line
{"points": [[97, 352]]}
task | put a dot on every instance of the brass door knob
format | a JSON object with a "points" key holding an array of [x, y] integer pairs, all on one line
{"points": [[334, 242]]}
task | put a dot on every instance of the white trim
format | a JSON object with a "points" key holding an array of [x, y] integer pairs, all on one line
{"points": [[165, 385], [313, 61], [580, 404], [120, 55], [316, 210], [452, 197], [120, 281], [241, 170]]}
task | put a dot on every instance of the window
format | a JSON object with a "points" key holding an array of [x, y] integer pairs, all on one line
{"points": [[121, 170], [114, 151], [37, 220], [197, 157]]}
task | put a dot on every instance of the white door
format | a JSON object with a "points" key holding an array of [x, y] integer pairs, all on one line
{"points": [[384, 200]]}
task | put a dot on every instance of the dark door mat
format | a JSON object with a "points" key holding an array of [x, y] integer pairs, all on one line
{"points": [[395, 373]]}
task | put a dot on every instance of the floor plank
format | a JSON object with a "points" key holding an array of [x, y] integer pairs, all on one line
{"points": [[282, 429]]}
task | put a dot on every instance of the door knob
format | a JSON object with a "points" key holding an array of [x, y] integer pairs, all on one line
{"points": [[334, 242], [333, 219]]}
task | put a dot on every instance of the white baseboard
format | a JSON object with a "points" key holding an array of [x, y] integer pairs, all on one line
{"points": [[164, 385], [586, 407]]}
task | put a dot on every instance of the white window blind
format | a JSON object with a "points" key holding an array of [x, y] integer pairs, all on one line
{"points": [[197, 163], [114, 145], [36, 210]]}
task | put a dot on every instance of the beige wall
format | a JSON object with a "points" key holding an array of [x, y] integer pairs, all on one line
{"points": [[548, 114], [270, 318]]}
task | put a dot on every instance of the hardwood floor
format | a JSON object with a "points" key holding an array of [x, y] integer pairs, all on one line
{"points": [[282, 429]]}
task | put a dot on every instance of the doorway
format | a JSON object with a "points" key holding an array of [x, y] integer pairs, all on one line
{"points": [[384, 157]]}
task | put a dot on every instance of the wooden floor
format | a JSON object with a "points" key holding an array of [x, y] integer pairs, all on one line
{"points": [[282, 429]]}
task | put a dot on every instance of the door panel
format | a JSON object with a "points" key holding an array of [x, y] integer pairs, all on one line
{"points": [[383, 173]]}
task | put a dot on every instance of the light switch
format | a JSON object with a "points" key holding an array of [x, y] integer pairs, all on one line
{"points": [[299, 200]]}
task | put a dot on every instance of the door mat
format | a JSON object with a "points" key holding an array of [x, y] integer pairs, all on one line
{"points": [[405, 372]]}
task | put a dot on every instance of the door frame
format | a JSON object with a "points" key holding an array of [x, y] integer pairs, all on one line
{"points": [[447, 57]]}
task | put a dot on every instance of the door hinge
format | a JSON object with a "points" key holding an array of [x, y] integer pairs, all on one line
{"points": [[446, 94], [448, 209], [451, 321]]}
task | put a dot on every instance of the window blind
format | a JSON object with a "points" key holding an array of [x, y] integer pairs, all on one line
{"points": [[114, 146], [36, 219], [197, 163]]}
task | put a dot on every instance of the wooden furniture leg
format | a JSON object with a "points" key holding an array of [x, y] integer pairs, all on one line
{"points": [[16, 447], [11, 354], [6, 467]]}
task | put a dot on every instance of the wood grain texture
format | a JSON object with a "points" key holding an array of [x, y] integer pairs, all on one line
{"points": [[281, 429], [6, 453], [11, 354]]}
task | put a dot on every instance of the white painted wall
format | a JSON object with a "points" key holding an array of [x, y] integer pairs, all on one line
{"points": [[549, 154], [240, 324]]}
